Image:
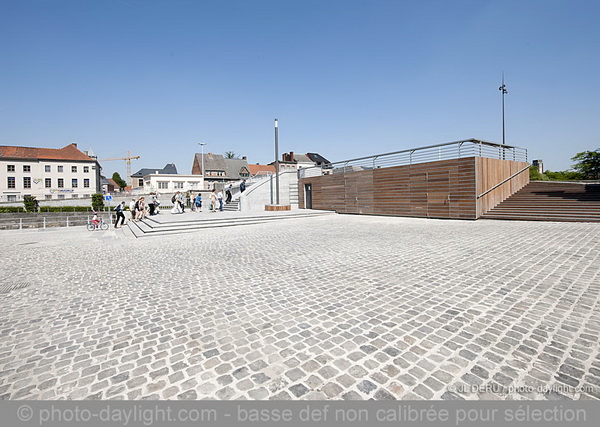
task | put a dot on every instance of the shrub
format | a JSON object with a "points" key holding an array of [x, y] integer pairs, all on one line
{"points": [[97, 201], [29, 202]]}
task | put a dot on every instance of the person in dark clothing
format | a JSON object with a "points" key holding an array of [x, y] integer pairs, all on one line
{"points": [[120, 215], [243, 186], [228, 194]]}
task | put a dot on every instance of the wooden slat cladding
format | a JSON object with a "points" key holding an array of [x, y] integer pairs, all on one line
{"points": [[493, 171], [443, 189]]}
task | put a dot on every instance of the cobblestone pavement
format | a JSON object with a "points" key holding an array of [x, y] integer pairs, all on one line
{"points": [[335, 307]]}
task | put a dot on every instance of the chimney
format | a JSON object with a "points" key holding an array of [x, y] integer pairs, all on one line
{"points": [[291, 156], [74, 144]]}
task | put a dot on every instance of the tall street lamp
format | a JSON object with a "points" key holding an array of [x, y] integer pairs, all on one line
{"points": [[276, 162], [202, 144], [503, 90]]}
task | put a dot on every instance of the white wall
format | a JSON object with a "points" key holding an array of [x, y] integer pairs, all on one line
{"points": [[259, 194]]}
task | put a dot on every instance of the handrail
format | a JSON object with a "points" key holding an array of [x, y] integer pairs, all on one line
{"points": [[431, 153], [506, 180]]}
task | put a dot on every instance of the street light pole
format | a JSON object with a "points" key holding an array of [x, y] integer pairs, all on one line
{"points": [[276, 162], [202, 144], [503, 90]]}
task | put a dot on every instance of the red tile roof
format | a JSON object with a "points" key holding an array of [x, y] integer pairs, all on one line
{"points": [[262, 169], [70, 152]]}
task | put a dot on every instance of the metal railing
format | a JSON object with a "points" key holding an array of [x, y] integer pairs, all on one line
{"points": [[431, 153], [504, 181]]}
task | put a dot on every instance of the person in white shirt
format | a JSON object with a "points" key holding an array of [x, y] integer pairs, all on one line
{"points": [[220, 199]]}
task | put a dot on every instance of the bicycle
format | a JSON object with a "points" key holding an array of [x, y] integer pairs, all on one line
{"points": [[100, 225]]}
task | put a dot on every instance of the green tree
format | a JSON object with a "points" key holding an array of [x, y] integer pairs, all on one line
{"points": [[97, 201], [588, 163], [535, 175], [231, 155], [120, 181]]}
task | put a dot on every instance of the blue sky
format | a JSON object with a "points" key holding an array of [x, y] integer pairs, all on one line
{"points": [[345, 78]]}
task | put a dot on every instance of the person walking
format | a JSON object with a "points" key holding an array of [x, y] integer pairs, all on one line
{"points": [[213, 201], [220, 199], [120, 215], [243, 186], [132, 209], [199, 202], [152, 204], [229, 194], [141, 209]]}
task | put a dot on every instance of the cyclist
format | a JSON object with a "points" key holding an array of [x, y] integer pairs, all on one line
{"points": [[95, 220]]}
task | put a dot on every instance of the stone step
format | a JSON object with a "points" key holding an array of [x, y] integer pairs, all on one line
{"points": [[152, 227]]}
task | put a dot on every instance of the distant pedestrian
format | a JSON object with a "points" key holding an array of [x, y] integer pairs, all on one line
{"points": [[140, 209], [220, 199], [120, 215], [199, 202], [132, 209], [152, 205], [213, 201], [229, 194], [243, 186]]}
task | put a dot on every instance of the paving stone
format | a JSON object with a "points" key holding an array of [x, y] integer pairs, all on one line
{"points": [[238, 333]]}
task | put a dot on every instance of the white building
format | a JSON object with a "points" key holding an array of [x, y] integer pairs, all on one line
{"points": [[170, 183], [47, 173]]}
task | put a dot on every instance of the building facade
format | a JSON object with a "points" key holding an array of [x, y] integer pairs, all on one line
{"points": [[170, 183], [138, 178], [219, 170], [47, 173]]}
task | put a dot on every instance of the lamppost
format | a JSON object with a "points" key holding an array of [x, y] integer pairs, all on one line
{"points": [[276, 163], [503, 90], [202, 144]]}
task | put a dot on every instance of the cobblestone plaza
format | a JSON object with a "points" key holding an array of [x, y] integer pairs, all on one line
{"points": [[331, 307]]}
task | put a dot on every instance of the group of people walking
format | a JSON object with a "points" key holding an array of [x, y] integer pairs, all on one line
{"points": [[140, 208]]}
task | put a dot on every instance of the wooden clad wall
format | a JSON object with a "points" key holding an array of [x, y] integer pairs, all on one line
{"points": [[493, 171], [442, 189]]}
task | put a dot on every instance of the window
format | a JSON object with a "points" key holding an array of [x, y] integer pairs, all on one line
{"points": [[12, 182], [163, 185], [48, 196], [86, 169], [86, 183], [10, 168], [61, 196], [26, 168], [48, 168], [11, 198], [141, 182], [178, 185], [74, 169], [75, 196], [48, 183], [26, 182], [61, 183], [74, 183], [59, 168]]}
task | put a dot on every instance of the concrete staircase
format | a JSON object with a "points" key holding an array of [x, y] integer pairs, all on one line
{"points": [[232, 206], [551, 201], [186, 223]]}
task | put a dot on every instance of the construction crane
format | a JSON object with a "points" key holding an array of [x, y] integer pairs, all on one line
{"points": [[128, 160]]}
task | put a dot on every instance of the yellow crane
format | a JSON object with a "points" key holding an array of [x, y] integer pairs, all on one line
{"points": [[128, 160]]}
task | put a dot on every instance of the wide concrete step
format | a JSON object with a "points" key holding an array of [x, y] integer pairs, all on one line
{"points": [[154, 227], [566, 218], [543, 201]]}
